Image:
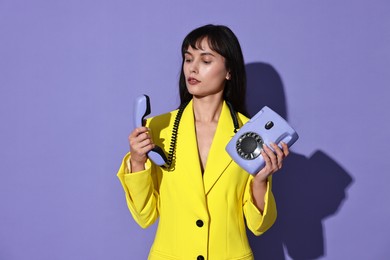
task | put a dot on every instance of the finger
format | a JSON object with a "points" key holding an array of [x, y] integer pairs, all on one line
{"points": [[285, 149], [137, 136], [147, 142], [270, 162], [266, 158], [139, 150], [277, 150], [279, 155], [143, 136], [138, 142], [143, 151], [270, 167], [271, 155], [143, 141], [139, 130]]}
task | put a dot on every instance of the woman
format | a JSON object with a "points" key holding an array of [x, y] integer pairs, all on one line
{"points": [[202, 199]]}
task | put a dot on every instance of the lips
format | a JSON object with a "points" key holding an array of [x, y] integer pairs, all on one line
{"points": [[192, 81]]}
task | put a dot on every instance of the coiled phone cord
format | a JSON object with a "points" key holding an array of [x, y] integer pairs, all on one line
{"points": [[172, 147]]}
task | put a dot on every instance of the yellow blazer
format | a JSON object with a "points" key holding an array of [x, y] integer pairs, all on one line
{"points": [[200, 216]]}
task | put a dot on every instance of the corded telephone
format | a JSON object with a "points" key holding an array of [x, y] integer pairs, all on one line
{"points": [[263, 128]]}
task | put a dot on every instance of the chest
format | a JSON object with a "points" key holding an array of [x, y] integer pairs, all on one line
{"points": [[204, 135]]}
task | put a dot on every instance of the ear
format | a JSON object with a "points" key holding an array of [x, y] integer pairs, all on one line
{"points": [[228, 76]]}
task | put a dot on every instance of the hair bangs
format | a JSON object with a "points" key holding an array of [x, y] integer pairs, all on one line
{"points": [[196, 38]]}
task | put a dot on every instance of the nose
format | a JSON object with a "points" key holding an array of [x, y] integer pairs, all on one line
{"points": [[193, 67]]}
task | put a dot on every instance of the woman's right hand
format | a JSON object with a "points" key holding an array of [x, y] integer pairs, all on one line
{"points": [[140, 143]]}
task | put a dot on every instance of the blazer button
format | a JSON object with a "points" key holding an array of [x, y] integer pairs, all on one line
{"points": [[199, 223], [200, 257]]}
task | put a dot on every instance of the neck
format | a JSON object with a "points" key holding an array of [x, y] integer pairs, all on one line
{"points": [[207, 109]]}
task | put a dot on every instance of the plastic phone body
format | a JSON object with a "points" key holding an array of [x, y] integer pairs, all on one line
{"points": [[265, 127], [141, 110]]}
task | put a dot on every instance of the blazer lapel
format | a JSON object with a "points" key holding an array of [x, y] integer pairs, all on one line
{"points": [[218, 159]]}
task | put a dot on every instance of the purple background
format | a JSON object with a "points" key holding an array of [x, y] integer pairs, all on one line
{"points": [[69, 72]]}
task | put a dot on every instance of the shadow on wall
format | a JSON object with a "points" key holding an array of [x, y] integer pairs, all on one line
{"points": [[307, 190]]}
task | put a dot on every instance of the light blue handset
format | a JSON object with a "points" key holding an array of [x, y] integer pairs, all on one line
{"points": [[141, 110]]}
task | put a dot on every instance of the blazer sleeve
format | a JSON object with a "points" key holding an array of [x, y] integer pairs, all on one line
{"points": [[257, 222], [141, 195]]}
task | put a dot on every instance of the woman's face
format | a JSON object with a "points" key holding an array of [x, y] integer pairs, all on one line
{"points": [[204, 70]]}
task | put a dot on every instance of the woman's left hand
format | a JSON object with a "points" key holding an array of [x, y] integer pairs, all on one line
{"points": [[273, 160]]}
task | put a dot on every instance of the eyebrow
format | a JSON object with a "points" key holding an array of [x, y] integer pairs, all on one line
{"points": [[202, 54]]}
